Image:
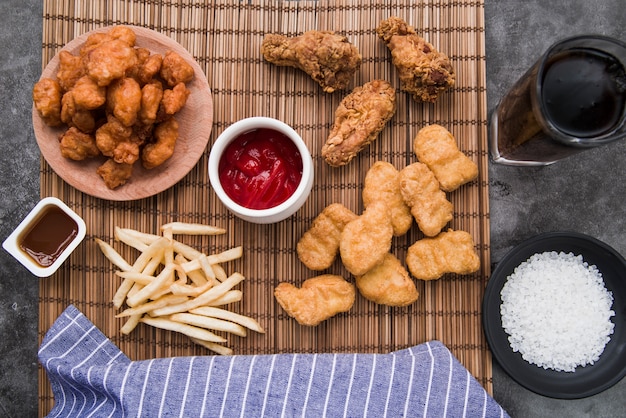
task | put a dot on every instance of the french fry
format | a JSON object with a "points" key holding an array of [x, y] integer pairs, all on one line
{"points": [[218, 348], [229, 297], [141, 278], [228, 255], [149, 290], [122, 235], [149, 306], [192, 229], [189, 330], [130, 324], [113, 256], [213, 312], [209, 323], [186, 290]]}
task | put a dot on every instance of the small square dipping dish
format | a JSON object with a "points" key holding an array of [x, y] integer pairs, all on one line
{"points": [[67, 224]]}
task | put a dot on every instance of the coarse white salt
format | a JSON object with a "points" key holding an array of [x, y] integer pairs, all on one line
{"points": [[557, 311]]}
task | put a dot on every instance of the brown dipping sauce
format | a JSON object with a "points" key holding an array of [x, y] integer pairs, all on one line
{"points": [[49, 236]]}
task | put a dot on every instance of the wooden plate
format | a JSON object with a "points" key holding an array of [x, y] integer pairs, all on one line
{"points": [[195, 123]]}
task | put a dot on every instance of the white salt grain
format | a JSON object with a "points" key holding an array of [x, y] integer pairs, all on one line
{"points": [[557, 311]]}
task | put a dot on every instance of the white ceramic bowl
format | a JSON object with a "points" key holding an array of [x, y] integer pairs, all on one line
{"points": [[13, 241], [284, 209]]}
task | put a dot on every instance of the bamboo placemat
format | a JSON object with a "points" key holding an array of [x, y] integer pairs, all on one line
{"points": [[225, 39]]}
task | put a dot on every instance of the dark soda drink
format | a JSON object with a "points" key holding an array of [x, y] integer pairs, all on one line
{"points": [[573, 99]]}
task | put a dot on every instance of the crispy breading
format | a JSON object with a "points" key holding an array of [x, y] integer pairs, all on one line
{"points": [[174, 69], [448, 252], [87, 94], [124, 100], [359, 118], [365, 240], [318, 299], [388, 283], [166, 136], [318, 247], [77, 145], [436, 147], [329, 58], [424, 72], [382, 183], [114, 174], [47, 95], [429, 204]]}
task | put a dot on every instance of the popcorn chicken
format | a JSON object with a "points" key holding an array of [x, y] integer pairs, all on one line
{"points": [[429, 205], [318, 247], [47, 95], [388, 283], [448, 252], [166, 136], [435, 146], [318, 299], [77, 145], [365, 240]]}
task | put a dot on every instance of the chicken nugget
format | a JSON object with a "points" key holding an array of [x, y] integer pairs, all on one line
{"points": [[365, 240], [448, 252], [71, 68], [436, 147], [166, 136], [118, 141], [174, 69], [73, 115], [424, 72], [110, 60], [429, 205], [328, 58], [318, 299], [174, 99], [382, 183], [123, 33], [115, 174], [318, 247], [388, 284], [47, 96], [77, 145], [87, 94], [151, 95], [359, 118]]}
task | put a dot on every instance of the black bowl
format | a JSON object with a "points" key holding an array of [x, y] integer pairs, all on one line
{"points": [[584, 381]]}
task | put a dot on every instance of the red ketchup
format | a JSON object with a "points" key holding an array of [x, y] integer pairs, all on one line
{"points": [[260, 169]]}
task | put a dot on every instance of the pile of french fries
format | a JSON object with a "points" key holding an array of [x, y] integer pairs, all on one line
{"points": [[172, 286]]}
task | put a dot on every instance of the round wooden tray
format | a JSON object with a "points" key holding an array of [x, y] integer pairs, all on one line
{"points": [[195, 123]]}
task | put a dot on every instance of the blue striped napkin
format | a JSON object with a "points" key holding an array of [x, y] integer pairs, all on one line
{"points": [[90, 376]]}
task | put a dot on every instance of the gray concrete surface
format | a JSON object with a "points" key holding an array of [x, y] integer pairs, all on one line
{"points": [[584, 193]]}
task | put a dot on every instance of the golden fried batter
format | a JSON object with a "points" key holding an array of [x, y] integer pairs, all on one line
{"points": [[149, 68], [319, 245], [124, 100], [73, 115], [448, 252], [388, 284], [116, 140], [174, 99], [47, 99], [110, 60], [115, 174], [151, 95], [77, 145], [318, 299], [71, 68], [359, 118], [329, 58], [174, 69], [424, 72], [87, 94], [123, 33], [382, 183], [435, 146], [165, 135], [365, 240], [429, 205]]}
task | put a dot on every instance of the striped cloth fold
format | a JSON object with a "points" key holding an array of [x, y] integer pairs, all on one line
{"points": [[90, 376]]}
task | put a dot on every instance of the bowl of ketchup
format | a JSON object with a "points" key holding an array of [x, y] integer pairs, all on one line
{"points": [[261, 170]]}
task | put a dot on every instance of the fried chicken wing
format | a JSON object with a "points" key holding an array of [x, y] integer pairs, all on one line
{"points": [[318, 247], [47, 96], [174, 69], [448, 252], [124, 100], [71, 68], [429, 205], [329, 58], [110, 60], [87, 94], [77, 145], [436, 147], [166, 136], [365, 240], [424, 72], [388, 284], [115, 174], [359, 118], [382, 183], [318, 299]]}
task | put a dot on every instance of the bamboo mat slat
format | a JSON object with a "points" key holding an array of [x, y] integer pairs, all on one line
{"points": [[225, 39]]}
